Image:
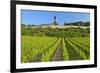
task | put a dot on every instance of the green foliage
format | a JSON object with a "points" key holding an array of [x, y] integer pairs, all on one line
{"points": [[56, 32], [40, 44], [42, 49], [32, 46], [77, 24], [47, 56], [83, 51], [55, 23], [65, 52]]}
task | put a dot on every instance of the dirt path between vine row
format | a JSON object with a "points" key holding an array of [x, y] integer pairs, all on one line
{"points": [[58, 54]]}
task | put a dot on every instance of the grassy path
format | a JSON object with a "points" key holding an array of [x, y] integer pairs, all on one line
{"points": [[37, 58], [58, 53]]}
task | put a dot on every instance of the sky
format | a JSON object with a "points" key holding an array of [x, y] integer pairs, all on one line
{"points": [[37, 17]]}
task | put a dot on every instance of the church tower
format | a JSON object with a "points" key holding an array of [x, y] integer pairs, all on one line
{"points": [[54, 22]]}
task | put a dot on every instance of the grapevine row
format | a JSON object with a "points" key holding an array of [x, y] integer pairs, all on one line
{"points": [[73, 51], [79, 50], [34, 47], [47, 56], [82, 48]]}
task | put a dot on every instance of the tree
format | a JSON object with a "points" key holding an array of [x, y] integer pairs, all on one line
{"points": [[65, 24], [55, 23]]}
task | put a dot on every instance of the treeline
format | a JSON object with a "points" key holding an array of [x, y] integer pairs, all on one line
{"points": [[78, 24], [65, 24], [56, 32]]}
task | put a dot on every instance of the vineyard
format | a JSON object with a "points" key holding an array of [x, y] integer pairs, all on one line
{"points": [[48, 36], [47, 48]]}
